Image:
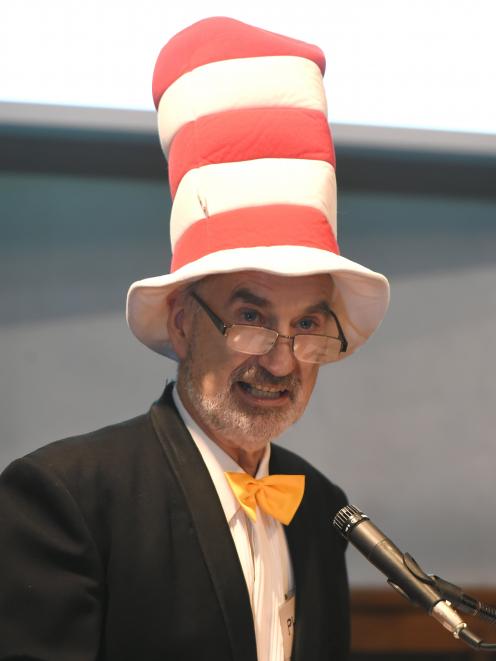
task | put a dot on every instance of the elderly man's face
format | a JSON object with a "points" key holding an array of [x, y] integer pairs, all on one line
{"points": [[244, 401]]}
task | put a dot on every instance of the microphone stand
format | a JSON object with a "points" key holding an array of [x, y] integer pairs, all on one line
{"points": [[452, 594], [464, 602], [470, 605], [455, 595]]}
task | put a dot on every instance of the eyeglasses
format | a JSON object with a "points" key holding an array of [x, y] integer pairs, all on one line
{"points": [[258, 340]]}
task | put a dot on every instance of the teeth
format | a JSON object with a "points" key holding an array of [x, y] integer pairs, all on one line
{"points": [[264, 391], [264, 388]]}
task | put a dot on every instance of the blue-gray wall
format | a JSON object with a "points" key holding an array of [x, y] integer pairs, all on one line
{"points": [[406, 426]]}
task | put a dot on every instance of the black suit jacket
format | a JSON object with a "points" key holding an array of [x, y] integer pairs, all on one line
{"points": [[114, 547]]}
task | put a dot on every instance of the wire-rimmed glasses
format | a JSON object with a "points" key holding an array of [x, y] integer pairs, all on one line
{"points": [[258, 340]]}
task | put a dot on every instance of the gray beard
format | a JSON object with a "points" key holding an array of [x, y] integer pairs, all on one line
{"points": [[251, 427]]}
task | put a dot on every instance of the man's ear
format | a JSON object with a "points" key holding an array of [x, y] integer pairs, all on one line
{"points": [[176, 325]]}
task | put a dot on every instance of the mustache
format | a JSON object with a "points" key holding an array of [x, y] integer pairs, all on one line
{"points": [[256, 374]]}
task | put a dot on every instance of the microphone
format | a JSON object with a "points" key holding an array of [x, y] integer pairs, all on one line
{"points": [[401, 570]]}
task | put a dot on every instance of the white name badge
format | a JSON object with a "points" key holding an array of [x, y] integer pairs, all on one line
{"points": [[287, 619]]}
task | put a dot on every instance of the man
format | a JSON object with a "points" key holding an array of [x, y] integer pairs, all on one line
{"points": [[151, 539]]}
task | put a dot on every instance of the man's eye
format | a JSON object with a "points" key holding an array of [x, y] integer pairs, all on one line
{"points": [[307, 324], [249, 316]]}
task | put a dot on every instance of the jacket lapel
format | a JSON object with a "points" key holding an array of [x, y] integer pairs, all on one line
{"points": [[210, 523], [306, 603], [322, 620], [305, 571]]}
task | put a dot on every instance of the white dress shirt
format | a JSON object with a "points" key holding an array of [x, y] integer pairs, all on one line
{"points": [[261, 546]]}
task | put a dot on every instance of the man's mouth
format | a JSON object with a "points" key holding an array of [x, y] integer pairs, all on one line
{"points": [[263, 392]]}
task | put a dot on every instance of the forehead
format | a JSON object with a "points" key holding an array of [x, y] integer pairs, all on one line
{"points": [[277, 290]]}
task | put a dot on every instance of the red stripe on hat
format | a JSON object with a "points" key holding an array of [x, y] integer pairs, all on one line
{"points": [[220, 38], [248, 134], [269, 225]]}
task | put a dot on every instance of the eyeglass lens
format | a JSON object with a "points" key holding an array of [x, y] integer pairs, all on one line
{"points": [[316, 348], [251, 340], [307, 348]]}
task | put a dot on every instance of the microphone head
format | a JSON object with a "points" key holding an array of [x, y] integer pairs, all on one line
{"points": [[347, 518]]}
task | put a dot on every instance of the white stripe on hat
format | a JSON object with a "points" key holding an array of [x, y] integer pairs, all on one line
{"points": [[251, 82], [221, 187]]}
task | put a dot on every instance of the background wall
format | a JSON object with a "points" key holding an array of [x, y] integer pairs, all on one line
{"points": [[406, 425]]}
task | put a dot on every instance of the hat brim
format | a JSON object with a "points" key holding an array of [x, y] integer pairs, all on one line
{"points": [[360, 298]]}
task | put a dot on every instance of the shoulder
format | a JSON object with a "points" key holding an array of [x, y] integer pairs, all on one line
{"points": [[101, 466], [86, 482], [88, 457], [127, 443], [100, 446]]}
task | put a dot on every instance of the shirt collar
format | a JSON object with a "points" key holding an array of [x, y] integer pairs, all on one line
{"points": [[217, 461]]}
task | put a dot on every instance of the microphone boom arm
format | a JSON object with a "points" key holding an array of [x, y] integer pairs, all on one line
{"points": [[463, 601]]}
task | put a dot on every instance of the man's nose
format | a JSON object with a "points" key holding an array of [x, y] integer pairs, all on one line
{"points": [[280, 360]]}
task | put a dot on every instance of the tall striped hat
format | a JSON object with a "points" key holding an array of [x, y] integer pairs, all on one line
{"points": [[242, 119]]}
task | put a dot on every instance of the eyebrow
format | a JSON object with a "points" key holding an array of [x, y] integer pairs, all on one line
{"points": [[247, 296], [322, 306]]}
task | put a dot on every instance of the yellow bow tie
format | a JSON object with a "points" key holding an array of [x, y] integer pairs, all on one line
{"points": [[277, 495]]}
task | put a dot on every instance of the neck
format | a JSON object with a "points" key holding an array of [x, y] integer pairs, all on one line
{"points": [[248, 458], [249, 461]]}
